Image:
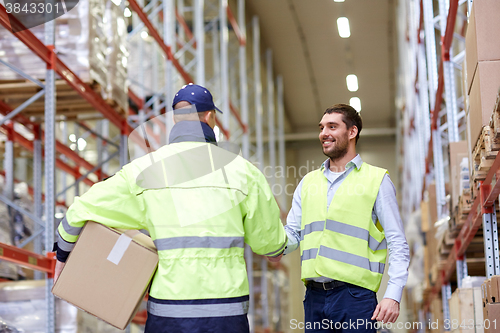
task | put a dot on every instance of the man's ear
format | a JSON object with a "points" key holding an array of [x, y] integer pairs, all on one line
{"points": [[206, 116], [353, 132]]}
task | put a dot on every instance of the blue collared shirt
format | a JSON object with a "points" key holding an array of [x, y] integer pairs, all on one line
{"points": [[385, 210]]}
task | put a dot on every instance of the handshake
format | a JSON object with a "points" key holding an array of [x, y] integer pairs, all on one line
{"points": [[276, 258]]}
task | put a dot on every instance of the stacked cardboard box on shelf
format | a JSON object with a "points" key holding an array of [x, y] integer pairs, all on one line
{"points": [[482, 76], [490, 293], [90, 40]]}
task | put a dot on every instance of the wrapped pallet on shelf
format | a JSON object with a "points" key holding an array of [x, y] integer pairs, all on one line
{"points": [[466, 313], [90, 40], [23, 307]]}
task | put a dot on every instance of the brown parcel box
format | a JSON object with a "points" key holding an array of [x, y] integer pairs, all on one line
{"points": [[482, 97], [492, 321], [107, 274], [495, 289], [458, 150], [483, 34]]}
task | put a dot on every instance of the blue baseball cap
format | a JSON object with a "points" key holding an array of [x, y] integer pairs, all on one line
{"points": [[196, 95]]}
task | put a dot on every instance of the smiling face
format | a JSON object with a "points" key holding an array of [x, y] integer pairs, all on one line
{"points": [[335, 136]]}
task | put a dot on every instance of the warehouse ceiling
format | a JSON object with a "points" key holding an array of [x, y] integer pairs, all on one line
{"points": [[314, 60]]}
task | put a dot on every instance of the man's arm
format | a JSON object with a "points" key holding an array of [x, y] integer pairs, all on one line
{"points": [[293, 221], [264, 231], [386, 210], [109, 202], [293, 224]]}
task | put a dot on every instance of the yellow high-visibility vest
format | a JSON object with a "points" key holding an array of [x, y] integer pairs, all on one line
{"points": [[342, 242], [199, 215]]}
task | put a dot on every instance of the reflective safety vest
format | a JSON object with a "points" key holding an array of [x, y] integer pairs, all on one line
{"points": [[342, 242], [200, 204]]}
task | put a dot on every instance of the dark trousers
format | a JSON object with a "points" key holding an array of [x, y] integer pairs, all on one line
{"points": [[345, 309], [230, 324]]}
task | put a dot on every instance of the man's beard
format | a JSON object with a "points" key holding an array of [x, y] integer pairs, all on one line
{"points": [[340, 149]]}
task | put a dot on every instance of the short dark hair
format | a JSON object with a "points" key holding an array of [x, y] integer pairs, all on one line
{"points": [[350, 116]]}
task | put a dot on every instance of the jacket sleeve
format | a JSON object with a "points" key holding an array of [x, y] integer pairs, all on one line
{"points": [[264, 231], [110, 202]]}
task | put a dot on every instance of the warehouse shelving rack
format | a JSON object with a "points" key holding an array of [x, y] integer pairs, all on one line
{"points": [[184, 53], [433, 117]]}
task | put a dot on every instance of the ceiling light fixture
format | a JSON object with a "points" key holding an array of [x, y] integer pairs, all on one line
{"points": [[338, 0], [352, 82], [127, 12], [355, 102], [343, 26]]}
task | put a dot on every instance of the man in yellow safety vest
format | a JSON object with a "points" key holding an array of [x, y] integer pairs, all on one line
{"points": [[200, 204], [345, 216]]}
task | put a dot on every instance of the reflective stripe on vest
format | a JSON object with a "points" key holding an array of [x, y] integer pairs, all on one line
{"points": [[309, 254], [352, 259], [63, 245], [351, 230], [198, 310], [74, 231], [312, 227], [199, 242]]}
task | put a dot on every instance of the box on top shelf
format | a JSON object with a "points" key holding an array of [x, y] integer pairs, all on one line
{"points": [[483, 33], [90, 39], [107, 274], [482, 97]]}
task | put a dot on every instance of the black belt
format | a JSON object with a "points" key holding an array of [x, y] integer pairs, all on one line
{"points": [[326, 285]]}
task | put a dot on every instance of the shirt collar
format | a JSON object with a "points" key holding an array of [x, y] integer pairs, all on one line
{"points": [[356, 161]]}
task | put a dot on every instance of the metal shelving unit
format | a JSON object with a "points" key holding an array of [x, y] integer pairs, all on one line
{"points": [[433, 116], [236, 86]]}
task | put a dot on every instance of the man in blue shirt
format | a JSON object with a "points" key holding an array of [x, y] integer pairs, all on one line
{"points": [[339, 297]]}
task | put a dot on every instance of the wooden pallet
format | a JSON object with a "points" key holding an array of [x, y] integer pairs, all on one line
{"points": [[460, 212], [484, 153], [495, 118], [69, 104]]}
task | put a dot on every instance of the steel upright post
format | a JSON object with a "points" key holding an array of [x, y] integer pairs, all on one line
{"points": [[37, 189], [490, 235], [224, 63], [260, 149], [246, 151], [199, 32], [270, 117], [50, 162], [449, 79], [257, 92], [243, 80], [8, 165], [281, 140]]}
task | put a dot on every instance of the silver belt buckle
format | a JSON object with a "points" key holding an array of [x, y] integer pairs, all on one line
{"points": [[325, 287]]}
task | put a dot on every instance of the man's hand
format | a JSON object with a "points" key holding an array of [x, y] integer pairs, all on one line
{"points": [[387, 311], [275, 259], [58, 269]]}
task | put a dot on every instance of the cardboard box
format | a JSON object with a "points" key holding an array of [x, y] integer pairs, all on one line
{"points": [[108, 273], [458, 150], [483, 33], [482, 97], [495, 289], [492, 319]]}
